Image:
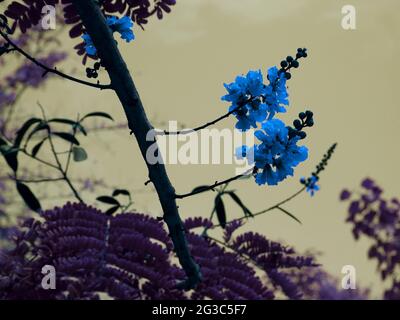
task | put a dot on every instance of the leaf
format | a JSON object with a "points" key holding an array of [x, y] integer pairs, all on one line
{"points": [[108, 200], [220, 210], [22, 131], [30, 199], [112, 210], [117, 192], [62, 120], [98, 114], [41, 126], [235, 198], [67, 137], [74, 124], [37, 147], [289, 214], [200, 189], [9, 153], [79, 154]]}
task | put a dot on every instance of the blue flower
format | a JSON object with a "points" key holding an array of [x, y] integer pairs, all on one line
{"points": [[277, 154], [276, 96], [247, 92], [311, 184], [89, 46], [258, 101], [123, 26]]}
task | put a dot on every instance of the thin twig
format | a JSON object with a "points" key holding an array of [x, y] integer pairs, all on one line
{"points": [[60, 167], [276, 206], [213, 186], [51, 70]]}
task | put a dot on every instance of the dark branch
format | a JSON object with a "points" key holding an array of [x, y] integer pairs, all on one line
{"points": [[213, 186], [201, 127], [51, 70], [121, 80]]}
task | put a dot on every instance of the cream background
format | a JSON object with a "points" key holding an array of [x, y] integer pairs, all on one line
{"points": [[350, 81]]}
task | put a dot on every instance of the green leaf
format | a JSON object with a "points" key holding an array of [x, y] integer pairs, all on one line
{"points": [[220, 210], [62, 120], [74, 124], [30, 199], [235, 198], [10, 154], [22, 131], [289, 214], [67, 137], [200, 189], [112, 210], [117, 192], [108, 200], [41, 126], [37, 147], [98, 114], [79, 154]]}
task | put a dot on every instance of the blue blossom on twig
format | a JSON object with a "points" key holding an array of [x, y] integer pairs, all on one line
{"points": [[311, 184], [122, 25]]}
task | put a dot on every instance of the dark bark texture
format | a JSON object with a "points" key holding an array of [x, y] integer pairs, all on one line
{"points": [[122, 83]]}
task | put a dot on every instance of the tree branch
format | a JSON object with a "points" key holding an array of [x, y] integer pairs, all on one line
{"points": [[51, 70], [211, 187], [276, 206], [121, 80]]}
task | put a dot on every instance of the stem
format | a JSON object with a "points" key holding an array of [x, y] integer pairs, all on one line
{"points": [[59, 165], [201, 127], [50, 70], [40, 180], [121, 80], [11, 110], [276, 206], [213, 186]]}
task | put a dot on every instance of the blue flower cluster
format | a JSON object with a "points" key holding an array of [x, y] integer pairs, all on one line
{"points": [[122, 25], [255, 103], [276, 155]]}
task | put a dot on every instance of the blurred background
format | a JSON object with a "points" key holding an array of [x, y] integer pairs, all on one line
{"points": [[179, 65]]}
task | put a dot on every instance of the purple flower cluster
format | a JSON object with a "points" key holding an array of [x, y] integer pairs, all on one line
{"points": [[377, 218], [130, 256]]}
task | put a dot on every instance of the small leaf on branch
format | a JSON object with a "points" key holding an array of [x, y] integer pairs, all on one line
{"points": [[37, 147], [79, 154], [98, 114], [67, 137], [235, 198], [108, 200], [117, 192], [112, 210], [30, 199], [200, 189], [220, 210], [22, 131]]}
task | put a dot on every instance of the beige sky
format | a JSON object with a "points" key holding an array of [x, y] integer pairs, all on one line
{"points": [[179, 65]]}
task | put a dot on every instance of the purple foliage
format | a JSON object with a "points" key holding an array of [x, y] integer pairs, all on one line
{"points": [[316, 284], [26, 14], [377, 218], [130, 256]]}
